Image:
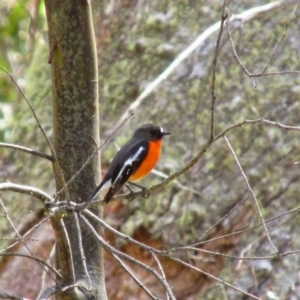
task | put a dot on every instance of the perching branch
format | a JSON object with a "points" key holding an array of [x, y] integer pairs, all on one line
{"points": [[147, 192]]}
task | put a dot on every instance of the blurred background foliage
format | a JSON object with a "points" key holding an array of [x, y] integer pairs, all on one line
{"points": [[136, 41]]}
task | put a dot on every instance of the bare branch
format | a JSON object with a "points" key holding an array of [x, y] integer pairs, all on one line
{"points": [[277, 255], [28, 232], [160, 268], [27, 150], [28, 190], [251, 191], [114, 251], [262, 73], [117, 233], [39, 260], [280, 42], [147, 192], [213, 83], [82, 255], [56, 289], [135, 279], [176, 182], [43, 279], [20, 237], [294, 210], [166, 253], [225, 216], [235, 55], [42, 130], [4, 295], [212, 277], [244, 17]]}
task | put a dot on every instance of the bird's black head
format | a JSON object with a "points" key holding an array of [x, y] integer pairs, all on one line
{"points": [[151, 132]]}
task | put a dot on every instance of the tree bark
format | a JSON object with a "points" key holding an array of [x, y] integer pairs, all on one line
{"points": [[72, 55]]}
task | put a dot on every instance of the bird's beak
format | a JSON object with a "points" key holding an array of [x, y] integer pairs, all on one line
{"points": [[166, 133]]}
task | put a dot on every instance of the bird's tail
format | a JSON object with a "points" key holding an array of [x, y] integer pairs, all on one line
{"points": [[111, 192], [94, 194]]}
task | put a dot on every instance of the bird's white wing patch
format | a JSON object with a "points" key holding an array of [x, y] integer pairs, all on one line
{"points": [[129, 162], [106, 185]]}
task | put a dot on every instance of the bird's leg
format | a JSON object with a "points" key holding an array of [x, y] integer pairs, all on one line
{"points": [[137, 185], [145, 195], [130, 189]]}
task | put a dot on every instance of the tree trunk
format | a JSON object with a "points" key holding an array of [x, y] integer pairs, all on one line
{"points": [[73, 61]]}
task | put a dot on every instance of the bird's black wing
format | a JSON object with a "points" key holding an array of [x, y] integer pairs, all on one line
{"points": [[124, 164]]}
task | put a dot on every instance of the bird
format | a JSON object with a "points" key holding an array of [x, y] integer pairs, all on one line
{"points": [[132, 162]]}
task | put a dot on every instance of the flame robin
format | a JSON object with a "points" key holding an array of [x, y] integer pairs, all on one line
{"points": [[133, 161]]}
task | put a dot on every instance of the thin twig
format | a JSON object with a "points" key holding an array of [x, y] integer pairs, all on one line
{"points": [[135, 279], [43, 279], [21, 240], [28, 190], [56, 289], [129, 258], [238, 231], [43, 132], [118, 233], [275, 73], [251, 191], [225, 216], [166, 253], [263, 72], [176, 182], [173, 250], [201, 39], [281, 40], [213, 81], [27, 150], [275, 256], [235, 55], [193, 246], [28, 232], [160, 268], [212, 277], [39, 260]]}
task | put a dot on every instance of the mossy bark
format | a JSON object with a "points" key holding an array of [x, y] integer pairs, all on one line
{"points": [[75, 136]]}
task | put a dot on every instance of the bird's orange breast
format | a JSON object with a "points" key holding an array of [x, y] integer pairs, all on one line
{"points": [[149, 162]]}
